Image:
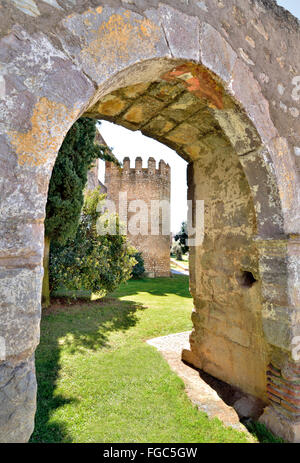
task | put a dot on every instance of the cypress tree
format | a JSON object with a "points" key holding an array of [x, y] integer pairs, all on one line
{"points": [[68, 180]]}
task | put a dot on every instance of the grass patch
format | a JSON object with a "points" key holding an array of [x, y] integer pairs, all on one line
{"points": [[98, 381], [262, 434]]}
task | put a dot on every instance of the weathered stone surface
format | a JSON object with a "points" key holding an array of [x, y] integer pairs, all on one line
{"points": [[199, 391], [204, 121], [249, 407], [182, 33], [166, 92], [143, 110], [247, 91], [159, 125], [134, 91], [216, 53], [20, 316], [289, 191], [104, 40], [60, 59], [111, 105], [179, 134], [280, 425], [184, 107], [18, 401], [243, 137], [258, 169], [228, 313], [277, 333], [20, 240]]}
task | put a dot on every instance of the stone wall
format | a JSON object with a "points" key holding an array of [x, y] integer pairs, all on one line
{"points": [[196, 76], [147, 185], [225, 280]]}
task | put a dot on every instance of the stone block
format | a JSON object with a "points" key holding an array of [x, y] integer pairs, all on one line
{"points": [[21, 241], [185, 106], [280, 425], [109, 44], [159, 126], [17, 401], [143, 110], [133, 91], [20, 293], [216, 53], [249, 407], [277, 333], [111, 105], [238, 129], [247, 91], [184, 134], [166, 92], [204, 121], [182, 32], [258, 169]]}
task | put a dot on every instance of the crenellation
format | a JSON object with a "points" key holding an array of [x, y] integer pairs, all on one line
{"points": [[151, 166], [138, 165], [126, 165], [162, 174]]}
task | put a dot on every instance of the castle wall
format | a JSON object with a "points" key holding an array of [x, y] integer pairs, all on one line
{"points": [[235, 65], [146, 185]]}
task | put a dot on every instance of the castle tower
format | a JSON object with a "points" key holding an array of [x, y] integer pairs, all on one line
{"points": [[147, 192], [93, 174]]}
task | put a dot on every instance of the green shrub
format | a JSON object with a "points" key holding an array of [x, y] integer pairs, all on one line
{"points": [[139, 269], [92, 262], [182, 238]]}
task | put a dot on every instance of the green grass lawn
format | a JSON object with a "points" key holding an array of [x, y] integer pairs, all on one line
{"points": [[100, 382]]}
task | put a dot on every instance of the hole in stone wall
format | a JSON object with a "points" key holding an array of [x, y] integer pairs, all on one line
{"points": [[246, 279]]}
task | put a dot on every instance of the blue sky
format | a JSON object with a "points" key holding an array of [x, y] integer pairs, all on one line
{"points": [[292, 5], [132, 144]]}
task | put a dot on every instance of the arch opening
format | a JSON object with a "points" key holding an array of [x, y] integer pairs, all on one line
{"points": [[186, 108], [103, 51]]}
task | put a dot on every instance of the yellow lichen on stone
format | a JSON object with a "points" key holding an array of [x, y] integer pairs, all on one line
{"points": [[49, 124], [119, 36]]}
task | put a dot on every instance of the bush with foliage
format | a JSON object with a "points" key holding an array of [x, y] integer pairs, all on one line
{"points": [[139, 269], [182, 238], [89, 261]]}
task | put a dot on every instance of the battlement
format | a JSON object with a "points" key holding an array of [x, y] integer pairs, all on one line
{"points": [[161, 172]]}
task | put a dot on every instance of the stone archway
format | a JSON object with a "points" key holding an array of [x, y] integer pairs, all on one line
{"points": [[80, 60]]}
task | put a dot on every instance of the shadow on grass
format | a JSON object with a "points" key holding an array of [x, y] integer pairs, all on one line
{"points": [[81, 326]]}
